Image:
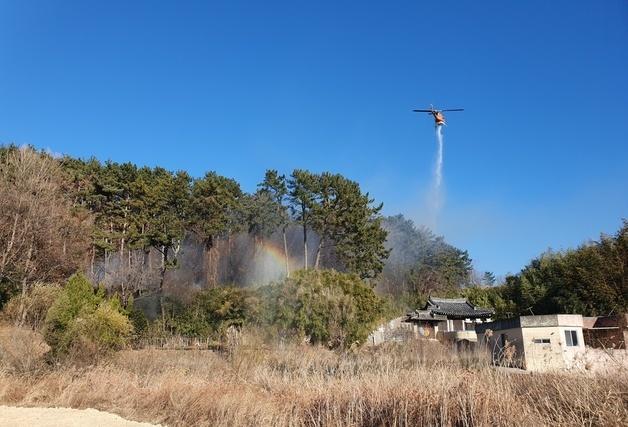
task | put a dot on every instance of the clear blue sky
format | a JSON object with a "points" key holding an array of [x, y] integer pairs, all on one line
{"points": [[539, 158]]}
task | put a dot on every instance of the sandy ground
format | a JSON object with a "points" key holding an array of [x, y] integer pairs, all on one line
{"points": [[62, 417]]}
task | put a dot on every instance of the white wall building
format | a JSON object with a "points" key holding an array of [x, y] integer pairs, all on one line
{"points": [[537, 343]]}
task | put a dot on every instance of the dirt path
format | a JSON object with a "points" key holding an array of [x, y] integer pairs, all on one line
{"points": [[62, 417]]}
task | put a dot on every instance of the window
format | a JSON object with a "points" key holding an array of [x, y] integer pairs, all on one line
{"points": [[541, 340], [571, 338]]}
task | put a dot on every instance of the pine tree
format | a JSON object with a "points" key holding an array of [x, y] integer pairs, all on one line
{"points": [[302, 187], [347, 222], [274, 185], [216, 211], [168, 214], [488, 278]]}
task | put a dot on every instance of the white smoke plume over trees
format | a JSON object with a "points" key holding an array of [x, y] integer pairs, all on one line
{"points": [[421, 263]]}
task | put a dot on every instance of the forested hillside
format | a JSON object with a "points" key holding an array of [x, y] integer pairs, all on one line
{"points": [[421, 264], [591, 280], [140, 230], [133, 228]]}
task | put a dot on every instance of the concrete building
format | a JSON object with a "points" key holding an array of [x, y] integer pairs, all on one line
{"points": [[537, 343], [450, 319]]}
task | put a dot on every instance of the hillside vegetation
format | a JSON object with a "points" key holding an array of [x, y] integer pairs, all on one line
{"points": [[272, 295], [591, 280], [138, 231]]}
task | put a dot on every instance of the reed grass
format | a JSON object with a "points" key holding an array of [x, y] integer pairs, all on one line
{"points": [[253, 383]]}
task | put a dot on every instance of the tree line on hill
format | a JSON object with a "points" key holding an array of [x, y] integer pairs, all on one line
{"points": [[421, 264], [63, 214], [135, 229], [139, 230], [111, 217], [591, 280]]}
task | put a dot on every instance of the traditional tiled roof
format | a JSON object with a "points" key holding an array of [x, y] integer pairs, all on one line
{"points": [[456, 308], [424, 315]]}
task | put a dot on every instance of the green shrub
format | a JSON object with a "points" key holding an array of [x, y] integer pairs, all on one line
{"points": [[102, 330], [490, 297], [211, 312], [83, 322], [137, 318], [327, 307]]}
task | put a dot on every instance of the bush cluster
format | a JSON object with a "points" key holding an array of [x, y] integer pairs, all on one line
{"points": [[211, 312], [327, 307], [82, 321], [324, 307], [319, 306]]}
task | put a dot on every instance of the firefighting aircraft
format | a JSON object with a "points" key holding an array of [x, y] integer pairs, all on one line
{"points": [[439, 118]]}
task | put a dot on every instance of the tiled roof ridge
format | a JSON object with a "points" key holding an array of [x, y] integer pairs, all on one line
{"points": [[456, 307], [451, 300]]}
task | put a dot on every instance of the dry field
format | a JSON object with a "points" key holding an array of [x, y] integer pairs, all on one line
{"points": [[253, 384]]}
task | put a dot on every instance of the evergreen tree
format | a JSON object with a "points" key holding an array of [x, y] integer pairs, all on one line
{"points": [[168, 212], [421, 263], [591, 280], [343, 218], [302, 187], [346, 221], [488, 278], [275, 186], [216, 211]]}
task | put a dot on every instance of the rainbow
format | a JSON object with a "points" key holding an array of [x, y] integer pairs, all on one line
{"points": [[269, 264]]}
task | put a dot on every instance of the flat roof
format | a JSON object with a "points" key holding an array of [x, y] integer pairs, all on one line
{"points": [[546, 320]]}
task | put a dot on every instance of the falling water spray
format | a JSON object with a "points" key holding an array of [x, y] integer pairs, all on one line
{"points": [[439, 159], [436, 194]]}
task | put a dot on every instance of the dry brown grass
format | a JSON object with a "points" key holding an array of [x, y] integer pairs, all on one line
{"points": [[22, 350], [253, 384]]}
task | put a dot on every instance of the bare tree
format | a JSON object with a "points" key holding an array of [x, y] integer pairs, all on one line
{"points": [[41, 236]]}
